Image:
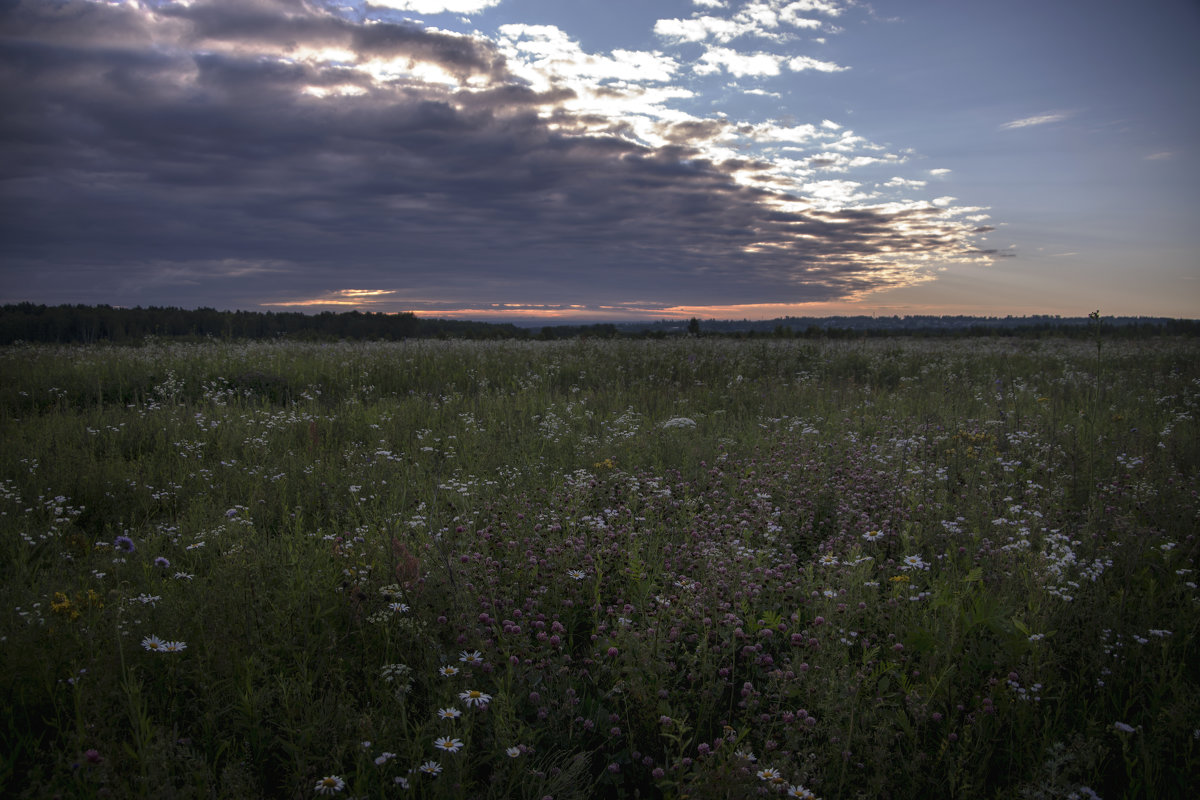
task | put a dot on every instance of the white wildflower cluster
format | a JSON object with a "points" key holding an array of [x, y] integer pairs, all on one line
{"points": [[579, 479], [418, 520], [32, 615], [1129, 462], [217, 392], [559, 421], [1061, 566], [596, 522], [1026, 694], [8, 491], [239, 516], [806, 428], [626, 426], [55, 513], [383, 455], [455, 484], [400, 675], [168, 391]]}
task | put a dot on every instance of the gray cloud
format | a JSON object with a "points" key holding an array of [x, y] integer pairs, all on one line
{"points": [[258, 151]]}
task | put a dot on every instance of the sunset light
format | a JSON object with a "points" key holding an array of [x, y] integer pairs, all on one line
{"points": [[477, 158]]}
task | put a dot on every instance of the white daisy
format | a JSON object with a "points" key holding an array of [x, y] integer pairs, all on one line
{"points": [[474, 697], [330, 784], [448, 744]]}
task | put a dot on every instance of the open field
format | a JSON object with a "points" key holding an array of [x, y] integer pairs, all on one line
{"points": [[689, 567]]}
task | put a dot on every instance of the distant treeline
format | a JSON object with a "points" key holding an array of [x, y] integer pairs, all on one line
{"points": [[37, 323], [27, 322], [926, 325]]}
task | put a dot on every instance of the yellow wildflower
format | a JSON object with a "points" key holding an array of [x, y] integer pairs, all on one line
{"points": [[61, 604]]}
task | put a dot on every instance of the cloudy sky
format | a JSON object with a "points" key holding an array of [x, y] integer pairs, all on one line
{"points": [[603, 159]]}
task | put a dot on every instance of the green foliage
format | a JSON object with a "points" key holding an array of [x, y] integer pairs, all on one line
{"points": [[882, 568]]}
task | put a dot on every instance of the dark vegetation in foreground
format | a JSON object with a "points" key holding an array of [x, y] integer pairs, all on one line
{"points": [[81, 324], [701, 567]]}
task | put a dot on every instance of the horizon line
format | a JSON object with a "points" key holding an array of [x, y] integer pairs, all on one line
{"points": [[525, 316]]}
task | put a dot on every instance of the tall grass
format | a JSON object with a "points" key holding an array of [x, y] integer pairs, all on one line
{"points": [[701, 568]]}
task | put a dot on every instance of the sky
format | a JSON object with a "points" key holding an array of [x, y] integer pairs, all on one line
{"points": [[603, 160]]}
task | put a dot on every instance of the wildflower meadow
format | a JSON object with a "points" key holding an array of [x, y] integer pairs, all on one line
{"points": [[690, 567]]}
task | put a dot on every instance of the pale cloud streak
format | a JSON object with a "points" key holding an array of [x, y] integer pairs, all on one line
{"points": [[905, 183], [801, 63], [833, 9], [1040, 119]]}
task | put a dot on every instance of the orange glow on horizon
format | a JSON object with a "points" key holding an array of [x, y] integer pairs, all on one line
{"points": [[340, 297], [645, 312], [384, 301]]}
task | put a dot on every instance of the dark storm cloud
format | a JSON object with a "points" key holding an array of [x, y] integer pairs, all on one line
{"points": [[221, 154], [289, 24]]}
